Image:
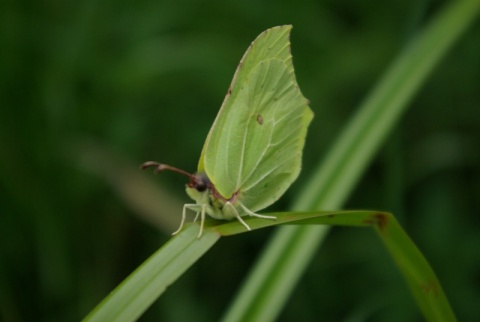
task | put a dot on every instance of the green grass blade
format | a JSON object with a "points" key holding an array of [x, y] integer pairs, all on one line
{"points": [[418, 274], [420, 277], [264, 293], [138, 291], [336, 218]]}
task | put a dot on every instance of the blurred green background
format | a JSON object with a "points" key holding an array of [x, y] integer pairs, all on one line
{"points": [[89, 90]]}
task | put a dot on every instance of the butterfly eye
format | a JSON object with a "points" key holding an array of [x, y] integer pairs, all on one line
{"points": [[201, 186], [199, 183]]}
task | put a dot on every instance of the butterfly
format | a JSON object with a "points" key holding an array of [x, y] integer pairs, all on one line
{"points": [[253, 151]]}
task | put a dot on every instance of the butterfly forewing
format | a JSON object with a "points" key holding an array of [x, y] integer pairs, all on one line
{"points": [[254, 148], [272, 43]]}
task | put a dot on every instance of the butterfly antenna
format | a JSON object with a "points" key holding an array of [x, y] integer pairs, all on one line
{"points": [[160, 167]]}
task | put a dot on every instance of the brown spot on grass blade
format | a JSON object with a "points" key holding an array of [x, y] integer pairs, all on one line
{"points": [[379, 219]]}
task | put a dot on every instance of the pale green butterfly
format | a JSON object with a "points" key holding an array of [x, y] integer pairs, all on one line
{"points": [[253, 150]]}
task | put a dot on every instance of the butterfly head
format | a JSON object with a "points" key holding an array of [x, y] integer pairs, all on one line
{"points": [[199, 187]]}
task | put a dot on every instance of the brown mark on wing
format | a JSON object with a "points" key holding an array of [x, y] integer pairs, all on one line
{"points": [[259, 119]]}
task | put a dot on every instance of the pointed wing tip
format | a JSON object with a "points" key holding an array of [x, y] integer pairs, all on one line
{"points": [[286, 28]]}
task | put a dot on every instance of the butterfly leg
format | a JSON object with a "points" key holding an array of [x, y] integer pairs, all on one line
{"points": [[250, 213], [196, 216], [235, 213], [190, 206], [202, 220], [184, 214]]}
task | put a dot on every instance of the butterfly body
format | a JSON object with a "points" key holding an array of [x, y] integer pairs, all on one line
{"points": [[209, 198], [210, 201]]}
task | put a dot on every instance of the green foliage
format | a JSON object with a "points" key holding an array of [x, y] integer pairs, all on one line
{"points": [[91, 89]]}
